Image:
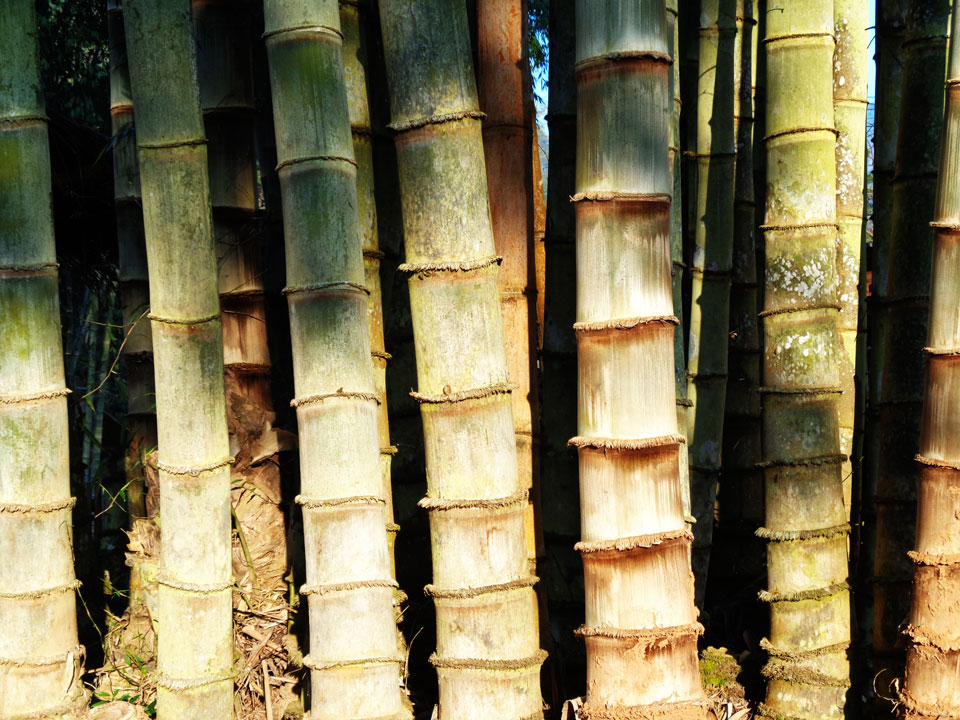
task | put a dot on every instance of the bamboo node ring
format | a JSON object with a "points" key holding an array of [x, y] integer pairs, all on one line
{"points": [[348, 395], [42, 592], [319, 287], [528, 663], [472, 592], [33, 397], [400, 127], [346, 587], [23, 119], [319, 29], [66, 657], [624, 323], [800, 595], [39, 508], [449, 396], [831, 459], [613, 195], [635, 542], [651, 443], [172, 144], [310, 158], [183, 321], [317, 503], [193, 470], [648, 636], [937, 462], [440, 504], [171, 683], [201, 588], [33, 269], [425, 269], [814, 534], [310, 662]]}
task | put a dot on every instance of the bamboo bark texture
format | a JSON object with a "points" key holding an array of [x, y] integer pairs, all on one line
{"points": [[710, 271], [640, 630], [195, 650], [932, 683], [805, 520], [354, 661], [904, 322], [40, 659], [487, 657]]}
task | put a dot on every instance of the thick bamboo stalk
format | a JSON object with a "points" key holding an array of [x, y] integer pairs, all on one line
{"points": [[805, 520], [195, 666], [932, 683], [353, 658], [710, 271], [488, 657], [903, 324], [561, 500], [850, 69], [353, 25], [640, 630], [40, 659]]}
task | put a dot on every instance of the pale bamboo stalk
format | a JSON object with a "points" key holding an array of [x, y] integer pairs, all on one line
{"points": [[488, 657], [932, 683], [40, 659], [640, 630], [195, 652], [708, 336], [354, 660], [903, 325], [805, 519]]}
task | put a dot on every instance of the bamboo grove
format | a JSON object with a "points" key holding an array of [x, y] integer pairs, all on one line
{"points": [[468, 359]]}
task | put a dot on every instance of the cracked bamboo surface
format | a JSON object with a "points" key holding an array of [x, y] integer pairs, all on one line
{"points": [[488, 655], [195, 658], [640, 628], [354, 661], [40, 659], [850, 69], [903, 321], [805, 520], [708, 336], [932, 683]]}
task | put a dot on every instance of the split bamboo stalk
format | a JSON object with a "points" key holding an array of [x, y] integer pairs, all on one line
{"points": [[932, 683], [708, 336], [850, 69], [354, 659], [640, 630], [904, 324], [488, 655], [195, 653], [40, 659], [805, 523]]}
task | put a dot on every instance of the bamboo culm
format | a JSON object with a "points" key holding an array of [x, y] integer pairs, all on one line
{"points": [[41, 660], [488, 655], [354, 660], [640, 628]]}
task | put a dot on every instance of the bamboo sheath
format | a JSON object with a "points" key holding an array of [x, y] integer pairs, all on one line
{"points": [[195, 653], [710, 270], [354, 661], [40, 659], [850, 62], [353, 25], [640, 630], [805, 520], [932, 682], [487, 657]]}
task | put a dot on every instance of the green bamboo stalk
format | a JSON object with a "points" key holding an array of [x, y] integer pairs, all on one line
{"points": [[808, 670], [561, 497], [904, 323], [353, 657], [353, 24], [488, 657], [640, 630], [195, 577], [932, 684], [40, 659], [850, 61], [708, 336]]}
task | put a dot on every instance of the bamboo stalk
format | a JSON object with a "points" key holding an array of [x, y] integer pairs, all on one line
{"points": [[640, 630], [904, 323], [195, 678], [488, 657], [805, 519], [40, 659], [932, 683], [354, 660]]}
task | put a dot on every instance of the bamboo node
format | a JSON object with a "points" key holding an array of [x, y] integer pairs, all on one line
{"points": [[797, 36], [946, 228], [942, 351], [319, 29], [401, 127], [613, 195], [937, 462], [933, 559], [800, 307], [23, 119], [788, 672], [33, 397], [826, 390], [426, 269], [192, 470], [791, 535], [310, 662], [635, 542], [765, 712], [472, 592], [624, 55], [201, 588], [803, 462], [659, 636], [627, 444], [389, 450], [799, 131], [686, 710], [316, 503], [800, 595], [432, 503], [373, 254], [491, 665], [916, 710], [624, 323], [460, 396], [381, 354], [346, 587], [314, 399], [174, 684], [320, 287], [66, 657], [183, 321], [311, 158], [172, 144], [38, 508], [919, 636], [28, 270], [246, 368], [43, 592]]}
